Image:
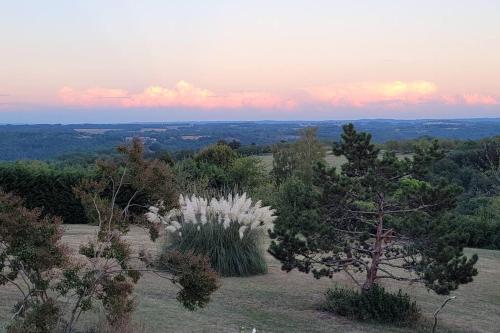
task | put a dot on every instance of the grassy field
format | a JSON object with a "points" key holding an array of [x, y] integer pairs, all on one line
{"points": [[331, 160], [281, 302]]}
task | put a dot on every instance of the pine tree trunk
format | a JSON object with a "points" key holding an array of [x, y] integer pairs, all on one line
{"points": [[371, 273]]}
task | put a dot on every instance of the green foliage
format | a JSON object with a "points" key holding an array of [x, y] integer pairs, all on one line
{"points": [[474, 165], [109, 274], [229, 254], [38, 318], [375, 304], [360, 153], [284, 162], [379, 212], [298, 216], [220, 155], [481, 223], [218, 169], [194, 274], [116, 298], [46, 186], [247, 174], [309, 152], [298, 159], [253, 150], [52, 141], [30, 249]]}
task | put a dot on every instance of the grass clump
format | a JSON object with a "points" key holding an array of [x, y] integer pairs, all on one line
{"points": [[229, 255], [229, 231], [375, 304]]}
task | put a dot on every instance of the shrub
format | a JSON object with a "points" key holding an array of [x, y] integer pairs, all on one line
{"points": [[30, 250], [220, 155], [228, 230], [47, 187], [374, 304], [107, 269], [219, 168], [248, 174], [481, 224], [195, 276]]}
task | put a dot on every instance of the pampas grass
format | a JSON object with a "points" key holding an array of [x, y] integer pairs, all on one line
{"points": [[229, 230]]}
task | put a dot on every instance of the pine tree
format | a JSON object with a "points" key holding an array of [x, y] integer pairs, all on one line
{"points": [[380, 216]]}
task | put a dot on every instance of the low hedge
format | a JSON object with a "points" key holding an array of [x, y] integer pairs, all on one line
{"points": [[45, 186]]}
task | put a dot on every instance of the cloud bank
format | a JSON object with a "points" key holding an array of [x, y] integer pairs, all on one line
{"points": [[356, 95]]}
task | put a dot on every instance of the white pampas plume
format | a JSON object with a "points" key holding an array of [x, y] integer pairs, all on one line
{"points": [[152, 217], [171, 229], [238, 209], [226, 223], [241, 231], [176, 225]]}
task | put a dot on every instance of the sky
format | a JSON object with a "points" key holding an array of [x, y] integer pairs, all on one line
{"points": [[126, 61]]}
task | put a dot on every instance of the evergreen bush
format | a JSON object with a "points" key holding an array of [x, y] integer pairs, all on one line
{"points": [[45, 186], [374, 304]]}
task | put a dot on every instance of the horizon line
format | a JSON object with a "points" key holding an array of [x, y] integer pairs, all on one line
{"points": [[253, 121]]}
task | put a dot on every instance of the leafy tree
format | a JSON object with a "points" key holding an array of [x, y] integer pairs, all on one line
{"points": [[309, 152], [298, 158], [220, 155], [247, 174], [481, 224], [165, 156], [218, 169], [234, 144], [30, 250], [284, 162], [110, 273], [378, 216]]}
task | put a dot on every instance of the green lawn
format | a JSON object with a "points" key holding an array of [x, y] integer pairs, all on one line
{"points": [[281, 302]]}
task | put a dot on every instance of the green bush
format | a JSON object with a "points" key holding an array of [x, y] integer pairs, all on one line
{"points": [[47, 187], [375, 304], [220, 155]]}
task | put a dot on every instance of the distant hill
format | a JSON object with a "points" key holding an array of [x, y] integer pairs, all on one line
{"points": [[52, 141]]}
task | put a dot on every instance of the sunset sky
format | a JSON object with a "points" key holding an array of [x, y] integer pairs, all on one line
{"points": [[121, 61]]}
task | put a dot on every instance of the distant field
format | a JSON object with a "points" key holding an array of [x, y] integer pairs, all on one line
{"points": [[53, 141], [331, 160], [94, 130], [281, 302], [153, 130]]}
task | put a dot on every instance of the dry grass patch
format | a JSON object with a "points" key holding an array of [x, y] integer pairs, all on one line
{"points": [[281, 302]]}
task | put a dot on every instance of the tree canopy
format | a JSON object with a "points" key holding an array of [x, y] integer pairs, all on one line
{"points": [[379, 215]]}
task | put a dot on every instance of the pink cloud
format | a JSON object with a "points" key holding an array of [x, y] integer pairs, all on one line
{"points": [[183, 94], [361, 94], [476, 99], [471, 99], [366, 93], [92, 97]]}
